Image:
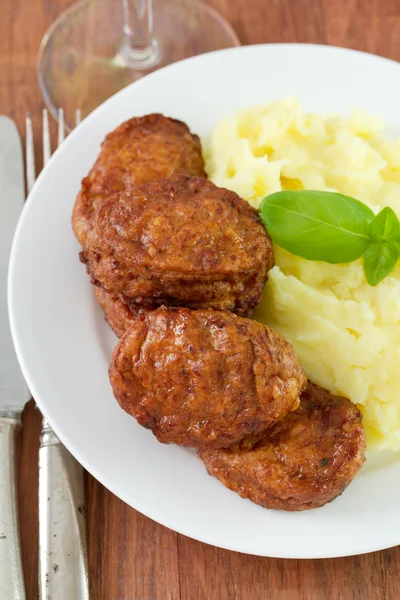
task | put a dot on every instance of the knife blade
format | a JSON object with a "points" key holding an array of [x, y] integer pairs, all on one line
{"points": [[13, 390]]}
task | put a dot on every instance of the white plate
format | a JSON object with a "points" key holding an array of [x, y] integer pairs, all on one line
{"points": [[64, 345]]}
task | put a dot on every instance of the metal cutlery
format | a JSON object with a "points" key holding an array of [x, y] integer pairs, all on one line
{"points": [[62, 526], [13, 392], [62, 510]]}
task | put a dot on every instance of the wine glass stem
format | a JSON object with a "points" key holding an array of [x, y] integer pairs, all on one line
{"points": [[140, 49]]}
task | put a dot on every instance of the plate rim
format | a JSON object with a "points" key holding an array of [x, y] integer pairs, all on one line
{"points": [[75, 451]]}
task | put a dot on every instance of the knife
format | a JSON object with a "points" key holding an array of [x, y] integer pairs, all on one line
{"points": [[13, 391]]}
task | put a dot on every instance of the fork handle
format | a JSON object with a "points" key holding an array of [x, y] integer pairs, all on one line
{"points": [[62, 522], [11, 575]]}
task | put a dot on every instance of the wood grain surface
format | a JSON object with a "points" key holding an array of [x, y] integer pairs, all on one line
{"points": [[131, 557]]}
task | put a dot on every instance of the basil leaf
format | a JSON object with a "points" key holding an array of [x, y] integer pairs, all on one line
{"points": [[380, 259], [385, 226], [320, 226]]}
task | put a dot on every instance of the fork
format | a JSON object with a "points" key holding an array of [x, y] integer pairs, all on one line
{"points": [[62, 511]]}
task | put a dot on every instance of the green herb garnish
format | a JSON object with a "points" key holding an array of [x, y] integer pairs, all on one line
{"points": [[380, 259], [385, 226], [330, 227]]}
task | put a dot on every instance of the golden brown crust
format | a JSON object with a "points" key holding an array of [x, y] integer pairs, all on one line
{"points": [[140, 150], [180, 241], [303, 462], [118, 315], [204, 378]]}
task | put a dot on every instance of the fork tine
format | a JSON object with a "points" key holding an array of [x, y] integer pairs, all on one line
{"points": [[61, 130], [30, 154], [78, 117], [30, 150], [46, 138]]}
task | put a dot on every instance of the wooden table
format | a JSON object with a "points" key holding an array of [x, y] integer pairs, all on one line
{"points": [[131, 557]]}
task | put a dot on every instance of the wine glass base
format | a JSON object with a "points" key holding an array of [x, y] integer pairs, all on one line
{"points": [[82, 59]]}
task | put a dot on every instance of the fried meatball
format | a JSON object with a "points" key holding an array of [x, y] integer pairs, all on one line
{"points": [[204, 378], [140, 150], [302, 462], [118, 315], [180, 241]]}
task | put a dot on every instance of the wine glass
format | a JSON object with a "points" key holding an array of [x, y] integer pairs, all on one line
{"points": [[97, 47]]}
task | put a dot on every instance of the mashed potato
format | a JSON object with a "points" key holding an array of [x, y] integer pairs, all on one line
{"points": [[346, 333]]}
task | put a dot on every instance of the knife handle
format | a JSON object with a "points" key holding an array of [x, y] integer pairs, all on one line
{"points": [[11, 575], [62, 522]]}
